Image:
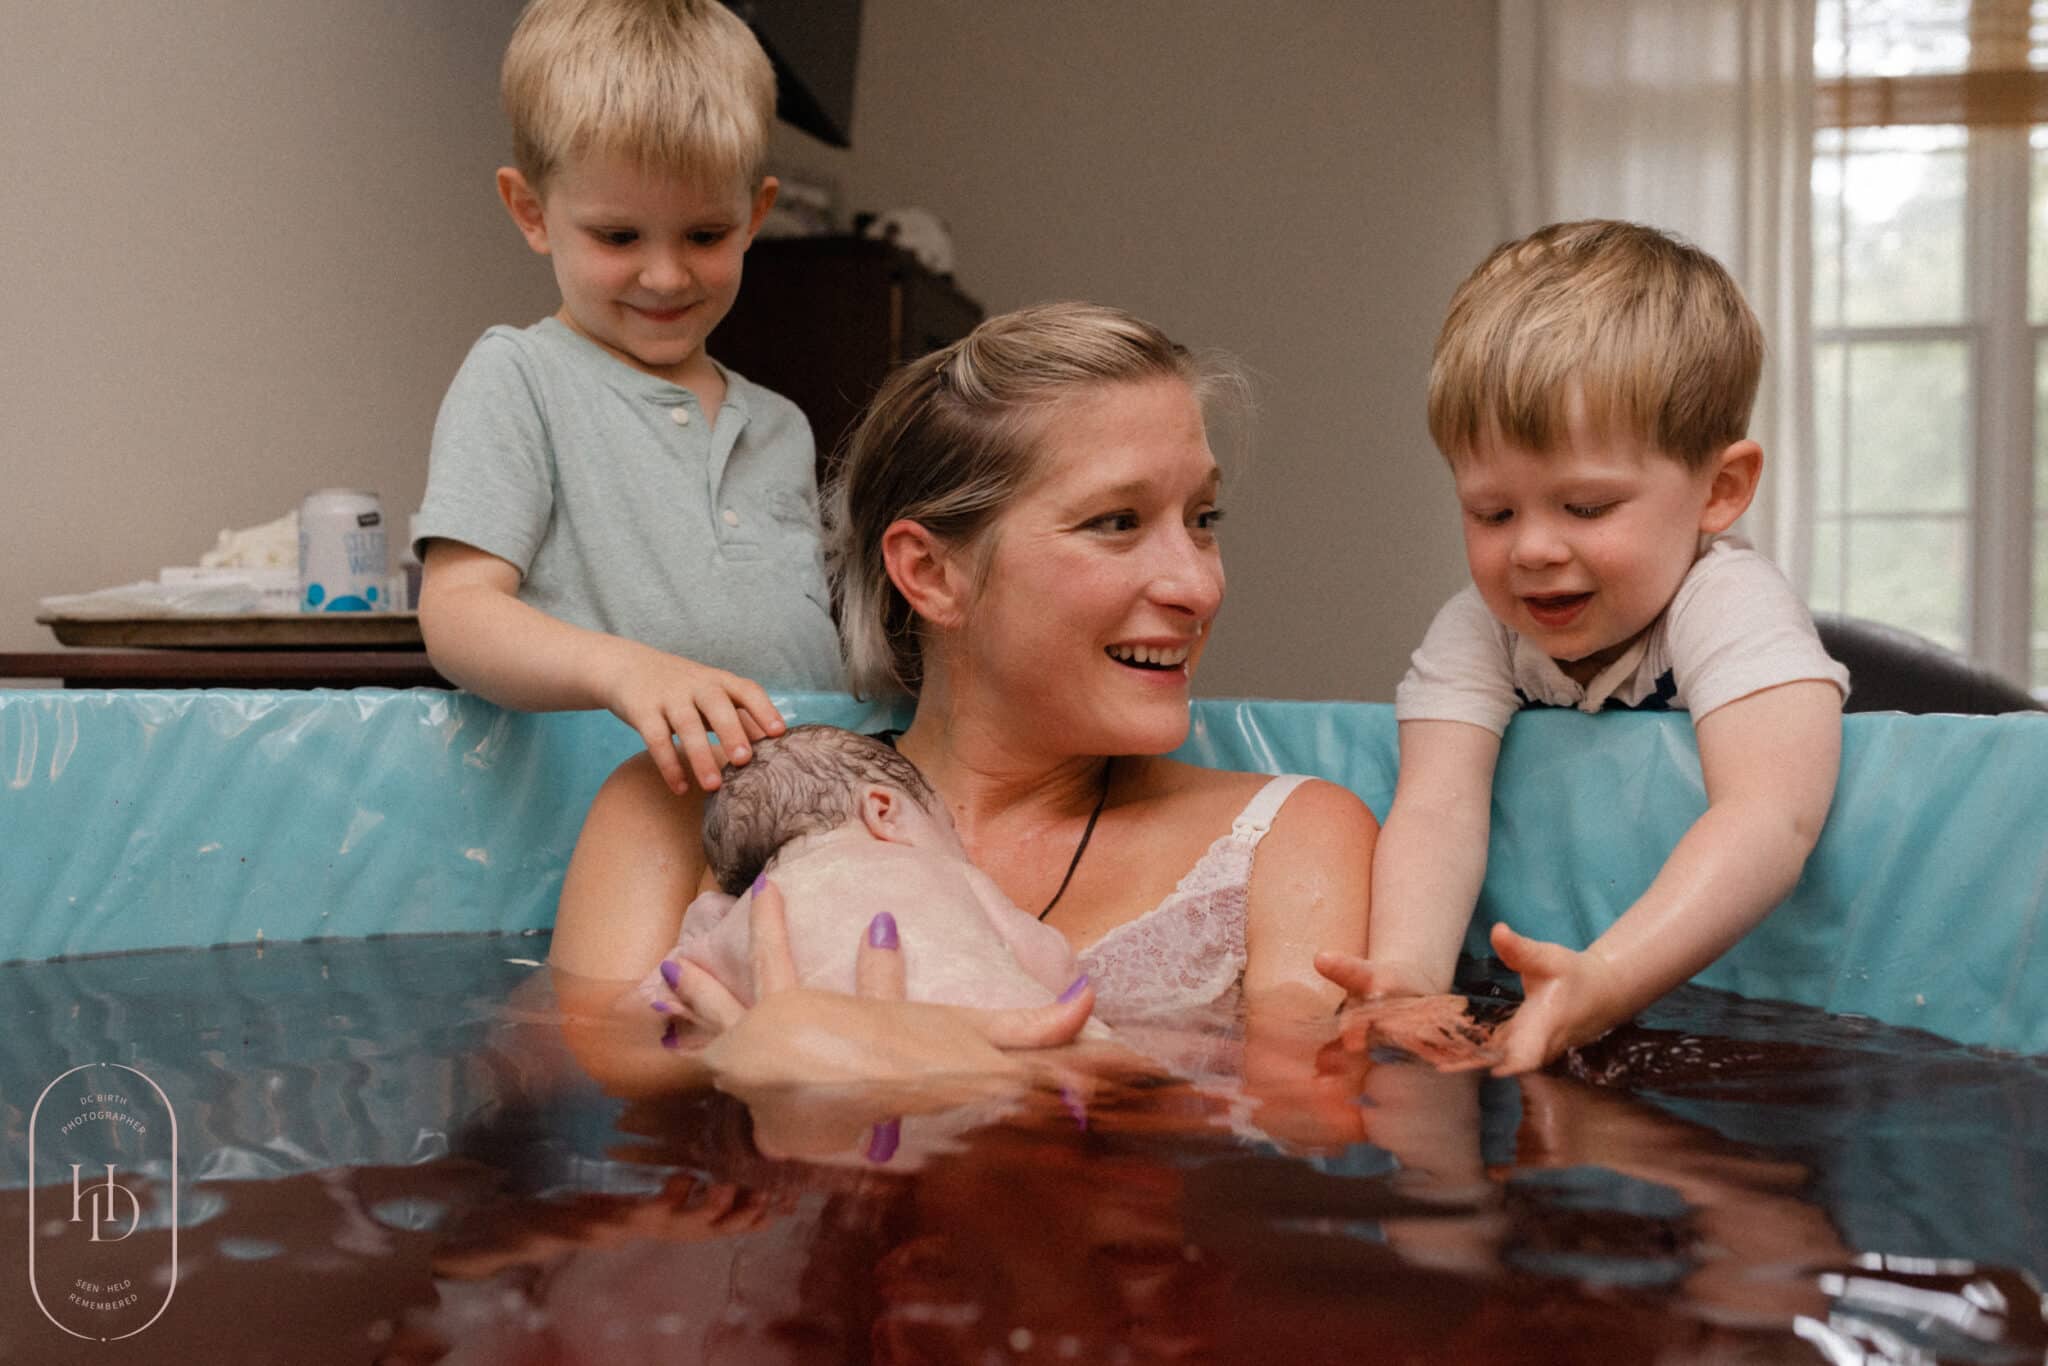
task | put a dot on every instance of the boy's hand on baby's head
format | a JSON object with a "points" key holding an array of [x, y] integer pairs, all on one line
{"points": [[674, 703]]}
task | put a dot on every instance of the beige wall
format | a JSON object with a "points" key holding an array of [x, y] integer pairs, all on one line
{"points": [[244, 247]]}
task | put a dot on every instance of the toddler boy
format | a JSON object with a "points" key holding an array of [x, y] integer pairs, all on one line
{"points": [[612, 519], [1591, 391], [850, 829]]}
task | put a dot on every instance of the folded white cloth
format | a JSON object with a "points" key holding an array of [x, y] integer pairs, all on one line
{"points": [[274, 545], [150, 598]]}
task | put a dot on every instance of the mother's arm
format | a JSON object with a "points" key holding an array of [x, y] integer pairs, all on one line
{"points": [[638, 863], [636, 866], [1310, 889]]}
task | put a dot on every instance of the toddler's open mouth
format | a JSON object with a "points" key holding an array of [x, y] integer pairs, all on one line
{"points": [[1556, 609]]}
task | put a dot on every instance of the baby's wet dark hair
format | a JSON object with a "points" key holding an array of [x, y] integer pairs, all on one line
{"points": [[802, 782]]}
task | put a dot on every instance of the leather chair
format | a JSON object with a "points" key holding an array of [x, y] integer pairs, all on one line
{"points": [[1891, 669]]}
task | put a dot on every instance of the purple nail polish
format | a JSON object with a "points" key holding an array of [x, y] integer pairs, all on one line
{"points": [[882, 931], [1080, 985], [670, 1037], [658, 1007], [759, 883], [882, 1143], [670, 973], [1070, 1099]]}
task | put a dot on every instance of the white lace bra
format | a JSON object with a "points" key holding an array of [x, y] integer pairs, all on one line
{"points": [[1188, 951]]}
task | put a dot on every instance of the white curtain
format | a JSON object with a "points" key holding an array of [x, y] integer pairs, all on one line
{"points": [[1695, 116]]}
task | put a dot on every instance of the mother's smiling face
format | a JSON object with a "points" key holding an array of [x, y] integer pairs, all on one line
{"points": [[1096, 585], [1027, 518]]}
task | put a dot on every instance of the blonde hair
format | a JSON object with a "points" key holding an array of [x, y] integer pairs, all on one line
{"points": [[1627, 327], [678, 85], [951, 440]]}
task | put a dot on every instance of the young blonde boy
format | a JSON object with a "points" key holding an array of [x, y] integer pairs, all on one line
{"points": [[612, 519], [1591, 391]]}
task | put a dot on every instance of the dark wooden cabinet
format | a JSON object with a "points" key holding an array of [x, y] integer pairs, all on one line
{"points": [[822, 320]]}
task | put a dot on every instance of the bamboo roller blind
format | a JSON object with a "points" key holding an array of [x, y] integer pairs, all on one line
{"points": [[1998, 87]]}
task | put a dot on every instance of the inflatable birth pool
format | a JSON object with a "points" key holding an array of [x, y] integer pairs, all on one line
{"points": [[149, 820]]}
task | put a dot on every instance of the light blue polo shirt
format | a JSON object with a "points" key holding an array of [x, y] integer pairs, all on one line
{"points": [[627, 513]]}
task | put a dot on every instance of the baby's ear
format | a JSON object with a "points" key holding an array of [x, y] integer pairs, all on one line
{"points": [[881, 811]]}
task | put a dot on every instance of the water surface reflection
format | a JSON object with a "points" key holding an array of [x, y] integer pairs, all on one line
{"points": [[390, 1162]]}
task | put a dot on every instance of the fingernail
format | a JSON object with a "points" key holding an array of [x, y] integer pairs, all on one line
{"points": [[670, 974], [659, 1007], [1071, 1099], [760, 884], [740, 754], [882, 1143], [1080, 985], [670, 1037], [882, 931]]}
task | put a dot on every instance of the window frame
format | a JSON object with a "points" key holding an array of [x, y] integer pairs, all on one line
{"points": [[1997, 111]]}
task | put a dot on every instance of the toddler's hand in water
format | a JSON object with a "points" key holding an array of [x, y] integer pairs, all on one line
{"points": [[1437, 1029], [1388, 1002], [1569, 998], [672, 701]]}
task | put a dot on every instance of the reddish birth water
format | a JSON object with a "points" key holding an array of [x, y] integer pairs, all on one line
{"points": [[386, 1152]]}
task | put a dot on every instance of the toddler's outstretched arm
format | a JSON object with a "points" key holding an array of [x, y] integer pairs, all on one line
{"points": [[482, 637], [1770, 762], [1428, 866]]}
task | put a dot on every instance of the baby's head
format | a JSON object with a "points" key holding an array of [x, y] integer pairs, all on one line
{"points": [[807, 781], [1591, 391], [675, 86]]}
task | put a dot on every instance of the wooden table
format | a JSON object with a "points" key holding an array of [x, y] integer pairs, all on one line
{"points": [[233, 650], [182, 668]]}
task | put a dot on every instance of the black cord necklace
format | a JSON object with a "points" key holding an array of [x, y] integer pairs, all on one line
{"points": [[888, 737], [1101, 799]]}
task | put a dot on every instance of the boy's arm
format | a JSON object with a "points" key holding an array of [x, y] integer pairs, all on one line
{"points": [[1429, 864], [1770, 761], [483, 638]]}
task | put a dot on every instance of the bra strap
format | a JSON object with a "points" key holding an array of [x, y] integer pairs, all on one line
{"points": [[1257, 817]]}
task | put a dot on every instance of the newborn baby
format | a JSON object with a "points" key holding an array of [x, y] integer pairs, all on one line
{"points": [[848, 828]]}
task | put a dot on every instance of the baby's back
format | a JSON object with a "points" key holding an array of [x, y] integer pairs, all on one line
{"points": [[952, 952]]}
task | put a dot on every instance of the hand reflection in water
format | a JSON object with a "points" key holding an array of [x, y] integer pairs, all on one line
{"points": [[1748, 1240]]}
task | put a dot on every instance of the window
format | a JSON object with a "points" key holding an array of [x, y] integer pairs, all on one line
{"points": [[1930, 377]]}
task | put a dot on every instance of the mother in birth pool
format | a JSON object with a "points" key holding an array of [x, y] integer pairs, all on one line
{"points": [[1024, 540]]}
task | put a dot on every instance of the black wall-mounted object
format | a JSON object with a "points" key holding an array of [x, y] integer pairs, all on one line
{"points": [[815, 46]]}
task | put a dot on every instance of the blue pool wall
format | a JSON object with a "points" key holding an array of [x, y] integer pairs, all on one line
{"points": [[142, 820]]}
